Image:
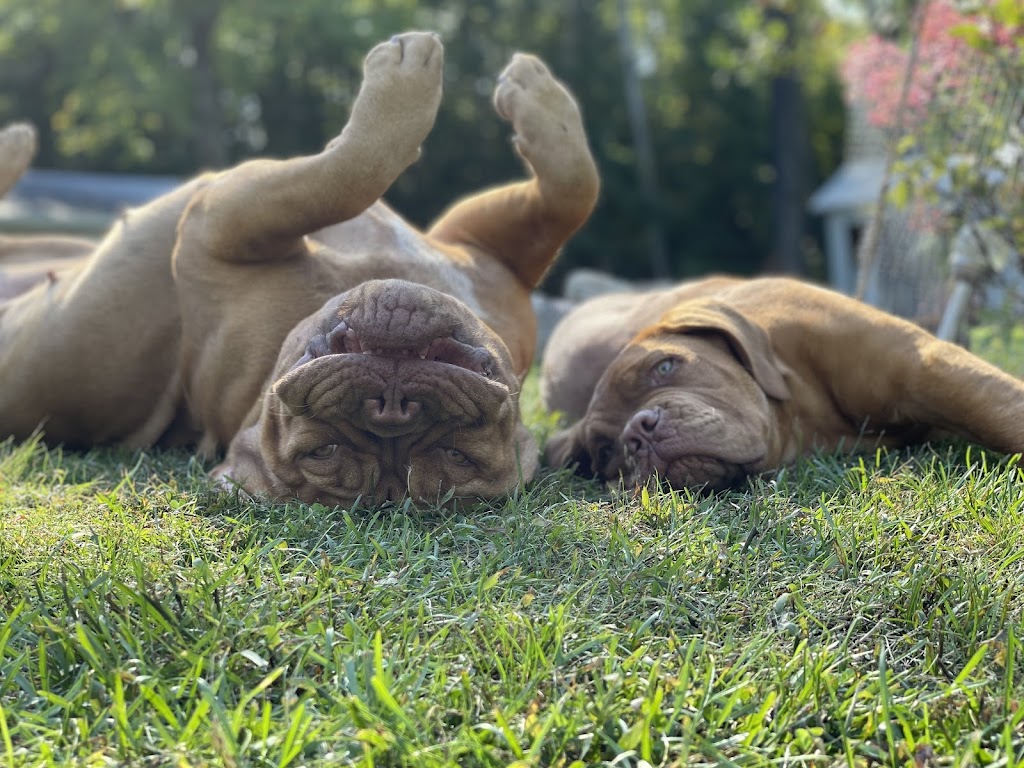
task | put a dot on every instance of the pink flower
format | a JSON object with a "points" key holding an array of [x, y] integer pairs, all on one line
{"points": [[874, 68]]}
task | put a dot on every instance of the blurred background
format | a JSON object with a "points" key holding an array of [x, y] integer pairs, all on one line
{"points": [[719, 126]]}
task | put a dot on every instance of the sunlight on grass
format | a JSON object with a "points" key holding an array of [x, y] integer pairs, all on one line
{"points": [[1002, 343], [850, 611]]}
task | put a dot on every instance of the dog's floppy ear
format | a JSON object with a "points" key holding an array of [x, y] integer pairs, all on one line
{"points": [[748, 341]]}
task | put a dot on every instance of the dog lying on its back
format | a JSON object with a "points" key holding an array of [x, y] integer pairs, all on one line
{"points": [[278, 310], [717, 379]]}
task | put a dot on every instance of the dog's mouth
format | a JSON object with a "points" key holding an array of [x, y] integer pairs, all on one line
{"points": [[693, 471], [343, 339], [395, 359], [676, 454]]}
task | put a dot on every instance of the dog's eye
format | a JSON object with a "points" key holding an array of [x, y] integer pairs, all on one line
{"points": [[665, 367], [457, 457], [324, 451]]}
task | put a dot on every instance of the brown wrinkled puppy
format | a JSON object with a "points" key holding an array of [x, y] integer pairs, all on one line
{"points": [[279, 310], [714, 380]]}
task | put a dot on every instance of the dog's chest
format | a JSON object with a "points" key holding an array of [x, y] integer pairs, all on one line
{"points": [[379, 244]]}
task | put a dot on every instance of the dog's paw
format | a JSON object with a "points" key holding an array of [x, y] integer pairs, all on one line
{"points": [[400, 94], [17, 147], [17, 143], [542, 112]]}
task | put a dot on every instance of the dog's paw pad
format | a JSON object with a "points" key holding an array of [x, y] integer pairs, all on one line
{"points": [[540, 109], [408, 66], [400, 94]]}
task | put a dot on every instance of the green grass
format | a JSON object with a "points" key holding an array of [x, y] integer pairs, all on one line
{"points": [[847, 612]]}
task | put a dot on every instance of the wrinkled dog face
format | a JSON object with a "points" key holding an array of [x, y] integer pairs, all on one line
{"points": [[390, 390], [683, 408]]}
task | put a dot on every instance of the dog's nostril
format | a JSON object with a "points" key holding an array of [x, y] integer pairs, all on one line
{"points": [[634, 444], [391, 412], [648, 420]]}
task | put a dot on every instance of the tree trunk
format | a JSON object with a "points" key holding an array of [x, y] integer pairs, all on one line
{"points": [[209, 119], [643, 146], [790, 159]]}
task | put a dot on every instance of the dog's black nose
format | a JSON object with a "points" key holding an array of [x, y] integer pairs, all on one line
{"points": [[639, 430]]}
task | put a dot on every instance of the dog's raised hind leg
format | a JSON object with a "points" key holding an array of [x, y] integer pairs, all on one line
{"points": [[261, 210], [525, 224], [17, 147]]}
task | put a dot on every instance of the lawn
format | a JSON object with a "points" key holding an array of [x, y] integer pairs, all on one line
{"points": [[849, 611]]}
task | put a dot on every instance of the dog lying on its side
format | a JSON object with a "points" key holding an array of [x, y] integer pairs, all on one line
{"points": [[278, 310], [717, 379]]}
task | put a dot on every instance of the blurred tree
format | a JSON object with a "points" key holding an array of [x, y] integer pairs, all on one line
{"points": [[645, 163], [173, 86]]}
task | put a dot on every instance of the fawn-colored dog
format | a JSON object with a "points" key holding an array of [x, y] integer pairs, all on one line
{"points": [[713, 380], [279, 311]]}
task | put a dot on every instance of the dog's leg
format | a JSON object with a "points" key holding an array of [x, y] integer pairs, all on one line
{"points": [[525, 224], [916, 379], [959, 392], [17, 147], [32, 261], [34, 249], [260, 210]]}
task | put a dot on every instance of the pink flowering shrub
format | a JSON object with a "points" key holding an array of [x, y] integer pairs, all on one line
{"points": [[874, 68], [960, 133]]}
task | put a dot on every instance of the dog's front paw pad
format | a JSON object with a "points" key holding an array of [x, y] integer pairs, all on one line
{"points": [[409, 51], [403, 75], [397, 103]]}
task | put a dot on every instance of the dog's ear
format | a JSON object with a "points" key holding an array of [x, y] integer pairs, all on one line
{"points": [[567, 447], [748, 341]]}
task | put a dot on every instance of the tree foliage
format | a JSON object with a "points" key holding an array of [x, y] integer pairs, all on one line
{"points": [[172, 86]]}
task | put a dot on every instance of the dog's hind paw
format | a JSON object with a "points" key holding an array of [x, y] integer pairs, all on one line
{"points": [[17, 147], [547, 123]]}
